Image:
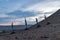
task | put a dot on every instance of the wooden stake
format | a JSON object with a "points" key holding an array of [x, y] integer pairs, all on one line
{"points": [[26, 23], [36, 20], [45, 16], [12, 26]]}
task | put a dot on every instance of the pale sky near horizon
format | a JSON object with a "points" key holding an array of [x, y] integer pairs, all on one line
{"points": [[16, 10]]}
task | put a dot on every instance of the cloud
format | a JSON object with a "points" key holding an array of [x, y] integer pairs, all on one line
{"points": [[3, 15], [21, 14], [30, 9], [12, 5], [44, 6]]}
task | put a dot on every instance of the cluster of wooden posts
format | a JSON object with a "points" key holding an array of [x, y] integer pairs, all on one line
{"points": [[26, 23]]}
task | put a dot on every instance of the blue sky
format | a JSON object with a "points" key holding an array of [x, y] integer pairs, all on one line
{"points": [[16, 10]]}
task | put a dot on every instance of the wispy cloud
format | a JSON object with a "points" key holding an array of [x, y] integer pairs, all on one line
{"points": [[30, 9], [45, 6]]}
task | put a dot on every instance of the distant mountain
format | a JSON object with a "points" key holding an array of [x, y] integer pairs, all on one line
{"points": [[15, 27]]}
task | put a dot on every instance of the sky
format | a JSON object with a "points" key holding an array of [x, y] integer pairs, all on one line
{"points": [[17, 10]]}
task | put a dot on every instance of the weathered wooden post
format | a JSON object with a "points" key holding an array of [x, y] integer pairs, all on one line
{"points": [[47, 22], [12, 29], [12, 26], [37, 21], [45, 17], [26, 24]]}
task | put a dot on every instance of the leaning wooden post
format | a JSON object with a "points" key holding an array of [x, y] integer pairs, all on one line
{"points": [[26, 23], [12, 27], [45, 16], [37, 21]]}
